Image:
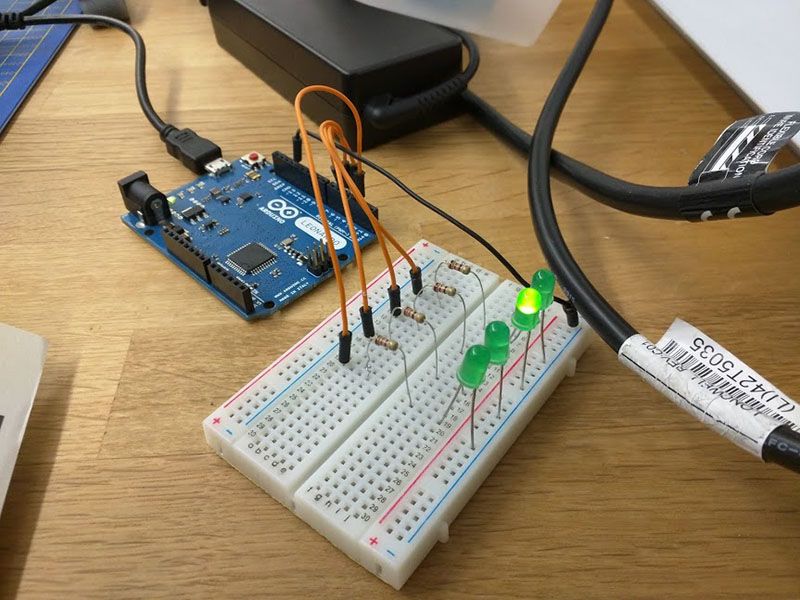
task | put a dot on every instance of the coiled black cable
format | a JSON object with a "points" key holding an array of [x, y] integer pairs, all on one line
{"points": [[764, 194], [782, 445], [608, 323]]}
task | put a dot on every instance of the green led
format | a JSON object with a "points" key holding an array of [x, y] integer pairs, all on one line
{"points": [[526, 309], [497, 339], [544, 282], [473, 367]]}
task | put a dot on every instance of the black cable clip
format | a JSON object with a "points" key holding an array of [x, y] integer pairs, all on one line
{"points": [[11, 21]]}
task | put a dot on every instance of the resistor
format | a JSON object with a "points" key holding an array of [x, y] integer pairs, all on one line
{"points": [[420, 319], [461, 267], [447, 290], [465, 269], [413, 314], [385, 342], [394, 346]]}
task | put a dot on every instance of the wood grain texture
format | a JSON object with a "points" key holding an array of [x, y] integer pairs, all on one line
{"points": [[611, 492]]}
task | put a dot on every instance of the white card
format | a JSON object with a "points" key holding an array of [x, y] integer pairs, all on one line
{"points": [[21, 362]]}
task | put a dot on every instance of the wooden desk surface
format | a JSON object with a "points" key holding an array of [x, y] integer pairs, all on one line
{"points": [[610, 492]]}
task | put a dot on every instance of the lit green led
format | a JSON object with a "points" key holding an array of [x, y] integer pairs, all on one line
{"points": [[526, 309], [497, 339], [473, 367], [544, 282]]}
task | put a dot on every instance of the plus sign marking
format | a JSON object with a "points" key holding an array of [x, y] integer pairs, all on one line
{"points": [[373, 541]]}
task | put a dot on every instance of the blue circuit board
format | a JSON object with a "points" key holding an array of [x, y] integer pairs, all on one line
{"points": [[26, 53], [225, 216]]}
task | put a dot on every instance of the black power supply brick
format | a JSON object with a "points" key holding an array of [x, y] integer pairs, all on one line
{"points": [[368, 54]]}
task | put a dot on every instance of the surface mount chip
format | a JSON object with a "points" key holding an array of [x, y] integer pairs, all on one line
{"points": [[233, 233], [193, 212], [250, 258]]}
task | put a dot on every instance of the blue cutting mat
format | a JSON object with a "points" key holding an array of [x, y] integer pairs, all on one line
{"points": [[25, 54]]}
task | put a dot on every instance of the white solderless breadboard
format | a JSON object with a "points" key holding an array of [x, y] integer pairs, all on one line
{"points": [[345, 448]]}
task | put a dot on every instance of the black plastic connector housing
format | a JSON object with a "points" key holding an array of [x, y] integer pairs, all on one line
{"points": [[358, 178], [394, 300], [141, 198], [297, 147], [184, 251], [194, 151], [234, 289], [367, 322], [572, 314], [345, 342], [416, 280]]}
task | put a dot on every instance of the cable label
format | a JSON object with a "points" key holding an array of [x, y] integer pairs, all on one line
{"points": [[707, 381], [747, 147]]}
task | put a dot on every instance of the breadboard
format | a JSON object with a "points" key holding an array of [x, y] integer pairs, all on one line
{"points": [[345, 448]]}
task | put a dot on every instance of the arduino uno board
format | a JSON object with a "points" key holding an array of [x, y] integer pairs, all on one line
{"points": [[248, 231]]}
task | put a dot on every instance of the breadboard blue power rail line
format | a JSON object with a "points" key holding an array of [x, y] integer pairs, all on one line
{"points": [[248, 231], [378, 455]]}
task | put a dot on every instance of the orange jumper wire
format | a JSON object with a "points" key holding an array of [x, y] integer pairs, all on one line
{"points": [[332, 132]]}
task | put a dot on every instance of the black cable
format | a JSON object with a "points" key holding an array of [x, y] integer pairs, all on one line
{"points": [[446, 216], [782, 445], [36, 7], [141, 56], [763, 194], [590, 303], [632, 200], [194, 151], [386, 111]]}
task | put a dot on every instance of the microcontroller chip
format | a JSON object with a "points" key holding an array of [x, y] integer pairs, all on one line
{"points": [[250, 258], [193, 212]]}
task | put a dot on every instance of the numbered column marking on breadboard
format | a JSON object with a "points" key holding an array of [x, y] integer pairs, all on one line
{"points": [[343, 446], [292, 416]]}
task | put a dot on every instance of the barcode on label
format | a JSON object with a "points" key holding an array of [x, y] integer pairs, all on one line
{"points": [[707, 377]]}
